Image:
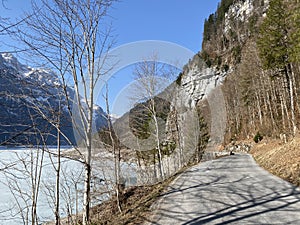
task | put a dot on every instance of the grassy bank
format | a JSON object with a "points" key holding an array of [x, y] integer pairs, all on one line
{"points": [[281, 159], [135, 204]]}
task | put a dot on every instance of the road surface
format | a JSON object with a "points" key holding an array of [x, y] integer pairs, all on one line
{"points": [[229, 190]]}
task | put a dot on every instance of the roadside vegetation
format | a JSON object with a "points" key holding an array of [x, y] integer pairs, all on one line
{"points": [[135, 202], [279, 158]]}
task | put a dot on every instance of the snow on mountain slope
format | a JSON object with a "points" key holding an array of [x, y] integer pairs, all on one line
{"points": [[29, 100]]}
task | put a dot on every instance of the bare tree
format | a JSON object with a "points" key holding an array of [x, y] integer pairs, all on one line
{"points": [[151, 81], [23, 180], [116, 151], [70, 38]]}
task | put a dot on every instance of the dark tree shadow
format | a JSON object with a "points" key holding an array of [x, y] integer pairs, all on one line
{"points": [[231, 190]]}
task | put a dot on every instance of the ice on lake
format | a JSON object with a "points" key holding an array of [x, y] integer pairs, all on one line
{"points": [[19, 179]]}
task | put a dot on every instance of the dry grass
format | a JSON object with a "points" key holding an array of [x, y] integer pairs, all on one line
{"points": [[135, 203], [280, 159]]}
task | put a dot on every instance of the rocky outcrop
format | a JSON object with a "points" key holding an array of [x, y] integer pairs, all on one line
{"points": [[200, 89], [240, 11], [198, 80], [225, 34], [228, 29]]}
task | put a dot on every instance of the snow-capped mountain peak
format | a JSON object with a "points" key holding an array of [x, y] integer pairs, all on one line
{"points": [[29, 94], [43, 76]]}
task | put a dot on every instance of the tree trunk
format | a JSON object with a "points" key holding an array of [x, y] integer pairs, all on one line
{"points": [[160, 163], [87, 190], [57, 192], [116, 151], [291, 95]]}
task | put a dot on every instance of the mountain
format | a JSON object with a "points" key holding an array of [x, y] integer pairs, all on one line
{"points": [[228, 29], [31, 101], [255, 44], [226, 81], [251, 74]]}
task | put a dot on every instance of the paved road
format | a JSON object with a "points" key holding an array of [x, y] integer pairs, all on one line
{"points": [[230, 190]]}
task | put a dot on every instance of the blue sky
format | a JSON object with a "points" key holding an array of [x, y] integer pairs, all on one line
{"points": [[176, 21]]}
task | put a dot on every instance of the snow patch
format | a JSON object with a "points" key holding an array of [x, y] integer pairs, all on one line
{"points": [[27, 74], [42, 99], [12, 62]]}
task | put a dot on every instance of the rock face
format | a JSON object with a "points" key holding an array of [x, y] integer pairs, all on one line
{"points": [[203, 76], [242, 10], [31, 100], [198, 80], [199, 84]]}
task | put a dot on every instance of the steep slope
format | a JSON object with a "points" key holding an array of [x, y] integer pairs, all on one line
{"points": [[279, 158], [31, 99], [206, 77], [228, 29], [251, 50]]}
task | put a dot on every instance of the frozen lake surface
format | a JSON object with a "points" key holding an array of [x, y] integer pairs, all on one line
{"points": [[19, 172]]}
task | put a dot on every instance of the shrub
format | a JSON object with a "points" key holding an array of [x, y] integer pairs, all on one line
{"points": [[179, 78], [225, 67], [258, 137]]}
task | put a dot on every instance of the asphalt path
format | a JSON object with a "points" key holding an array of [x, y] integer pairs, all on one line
{"points": [[229, 190]]}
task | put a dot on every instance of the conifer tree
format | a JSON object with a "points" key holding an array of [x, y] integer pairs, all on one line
{"points": [[274, 44], [295, 31], [272, 41]]}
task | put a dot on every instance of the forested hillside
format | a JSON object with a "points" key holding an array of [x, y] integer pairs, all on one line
{"points": [[258, 44]]}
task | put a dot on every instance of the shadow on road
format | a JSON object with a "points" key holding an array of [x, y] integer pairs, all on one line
{"points": [[231, 190]]}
